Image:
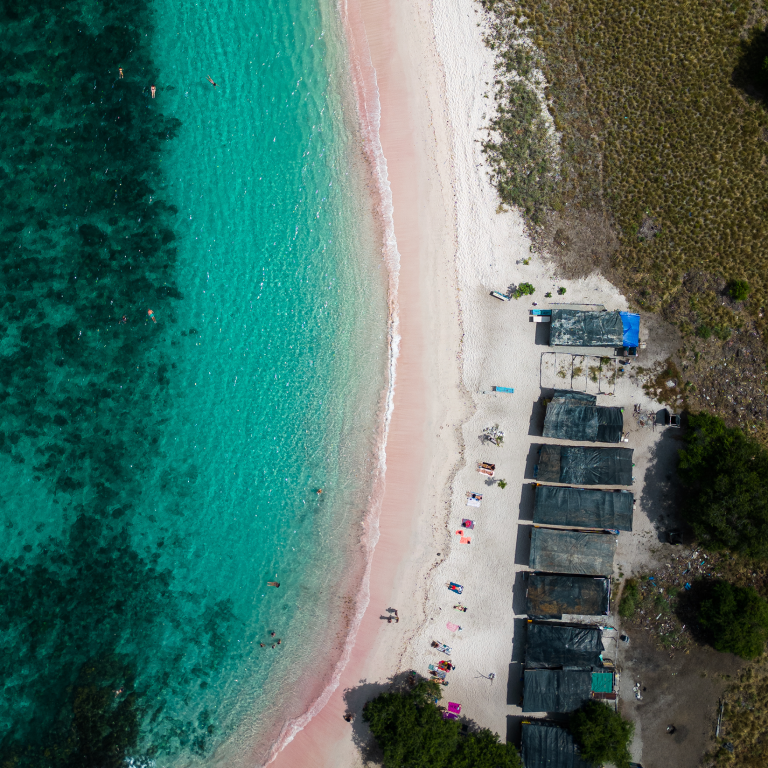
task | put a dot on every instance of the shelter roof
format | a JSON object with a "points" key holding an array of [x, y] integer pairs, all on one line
{"points": [[552, 595], [589, 554], [583, 507]]}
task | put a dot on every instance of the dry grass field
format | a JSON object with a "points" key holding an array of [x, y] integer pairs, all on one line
{"points": [[657, 172]]}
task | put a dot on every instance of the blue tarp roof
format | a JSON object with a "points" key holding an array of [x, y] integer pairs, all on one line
{"points": [[631, 325]]}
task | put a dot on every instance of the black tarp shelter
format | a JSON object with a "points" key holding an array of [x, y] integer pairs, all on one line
{"points": [[549, 646], [588, 554], [580, 465], [556, 690], [577, 416], [583, 507], [579, 328], [550, 595], [546, 745]]}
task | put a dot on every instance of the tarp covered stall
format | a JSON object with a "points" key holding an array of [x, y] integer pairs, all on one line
{"points": [[588, 554], [580, 465], [583, 507], [577, 328], [552, 596], [555, 690], [576, 416], [549, 746], [562, 645]]}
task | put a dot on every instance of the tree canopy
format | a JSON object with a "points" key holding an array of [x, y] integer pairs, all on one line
{"points": [[736, 619], [726, 477], [411, 731], [602, 734]]}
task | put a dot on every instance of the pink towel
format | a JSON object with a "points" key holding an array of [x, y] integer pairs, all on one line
{"points": [[454, 708], [452, 627]]}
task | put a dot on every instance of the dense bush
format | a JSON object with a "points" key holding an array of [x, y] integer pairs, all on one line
{"points": [[602, 734], [524, 289], [726, 478], [630, 597], [736, 619], [738, 290], [411, 731]]}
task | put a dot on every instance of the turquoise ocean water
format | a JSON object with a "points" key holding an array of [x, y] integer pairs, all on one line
{"points": [[158, 470]]}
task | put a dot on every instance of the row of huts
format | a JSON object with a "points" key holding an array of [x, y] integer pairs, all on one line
{"points": [[582, 503]]}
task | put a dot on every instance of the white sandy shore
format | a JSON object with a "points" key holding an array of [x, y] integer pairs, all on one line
{"points": [[432, 71]]}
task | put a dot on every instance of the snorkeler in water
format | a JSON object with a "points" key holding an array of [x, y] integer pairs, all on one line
{"points": [[210, 80]]}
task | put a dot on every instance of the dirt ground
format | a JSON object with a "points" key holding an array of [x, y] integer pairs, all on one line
{"points": [[678, 689]]}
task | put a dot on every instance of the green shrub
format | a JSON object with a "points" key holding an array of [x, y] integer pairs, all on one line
{"points": [[630, 597], [736, 619], [524, 289], [725, 474], [602, 734], [502, 484], [738, 290], [411, 731], [561, 291], [704, 332]]}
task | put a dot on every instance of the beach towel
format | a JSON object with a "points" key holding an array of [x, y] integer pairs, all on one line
{"points": [[454, 707], [453, 627]]}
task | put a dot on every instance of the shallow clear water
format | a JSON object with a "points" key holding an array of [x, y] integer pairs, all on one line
{"points": [[193, 444]]}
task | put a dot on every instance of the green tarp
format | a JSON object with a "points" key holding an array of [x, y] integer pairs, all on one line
{"points": [[589, 554], [576, 328], [579, 465], [583, 507], [602, 682], [547, 745], [552, 596], [576, 416], [555, 690], [551, 646]]}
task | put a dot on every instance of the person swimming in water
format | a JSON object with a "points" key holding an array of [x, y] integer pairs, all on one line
{"points": [[210, 80], [120, 72], [153, 91]]}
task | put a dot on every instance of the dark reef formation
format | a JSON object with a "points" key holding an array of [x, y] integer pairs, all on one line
{"points": [[87, 249]]}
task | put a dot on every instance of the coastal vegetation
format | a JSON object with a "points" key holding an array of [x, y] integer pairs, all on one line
{"points": [[410, 729], [735, 619], [524, 289], [725, 474], [630, 597], [602, 734]]}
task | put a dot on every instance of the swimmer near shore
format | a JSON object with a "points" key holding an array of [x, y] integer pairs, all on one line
{"points": [[210, 80], [273, 583]]}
